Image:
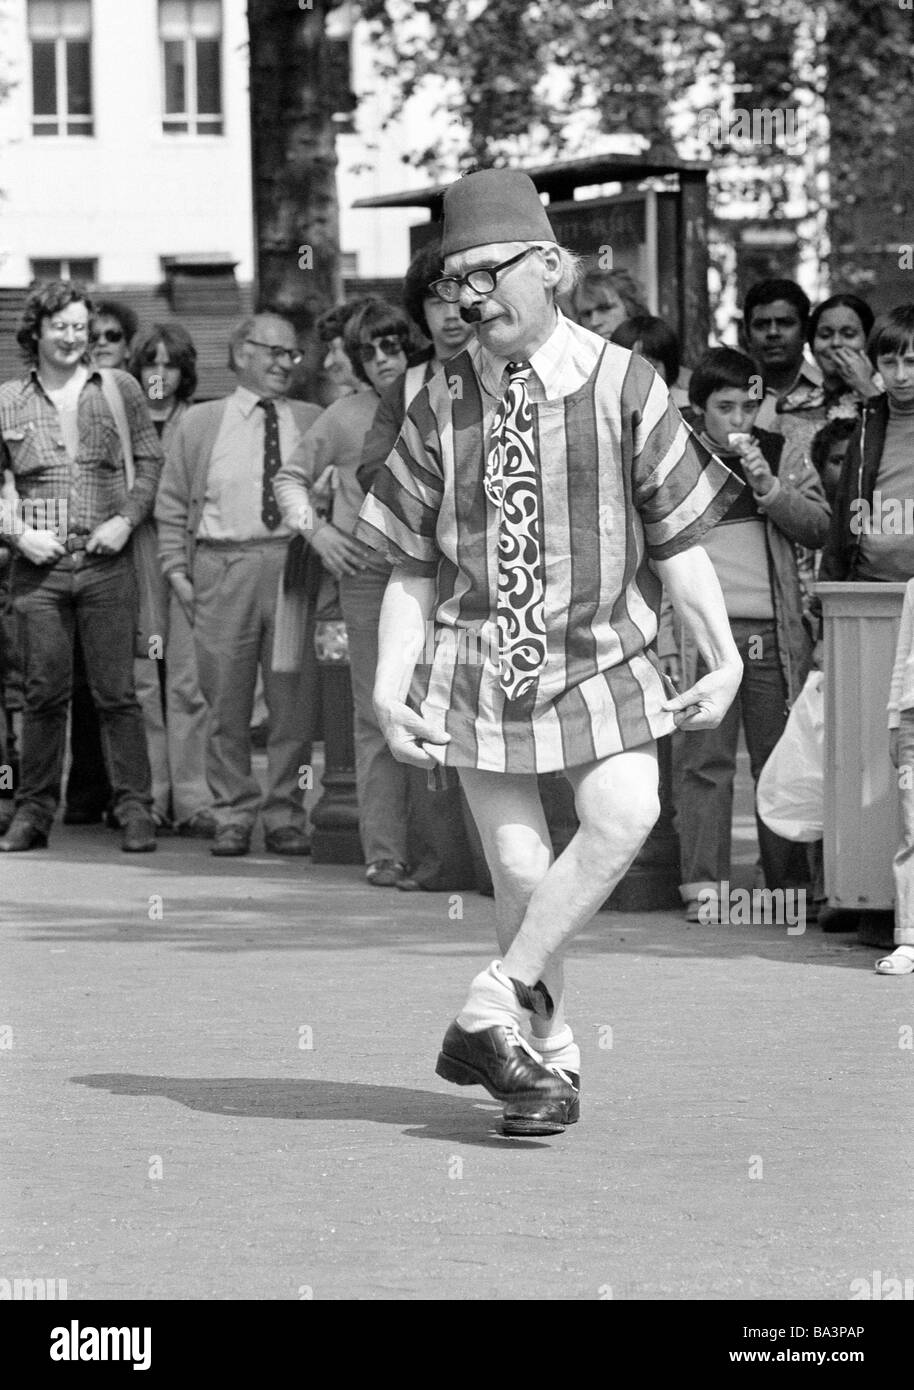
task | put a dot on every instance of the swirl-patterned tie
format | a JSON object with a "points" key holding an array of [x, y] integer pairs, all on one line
{"points": [[512, 485]]}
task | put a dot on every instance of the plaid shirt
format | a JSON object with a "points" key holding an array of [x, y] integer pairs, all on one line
{"points": [[93, 486]]}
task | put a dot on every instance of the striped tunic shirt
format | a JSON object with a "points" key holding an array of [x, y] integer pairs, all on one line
{"points": [[623, 482]]}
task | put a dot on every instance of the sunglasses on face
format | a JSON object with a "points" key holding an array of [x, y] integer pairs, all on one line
{"points": [[109, 335], [387, 347], [482, 281]]}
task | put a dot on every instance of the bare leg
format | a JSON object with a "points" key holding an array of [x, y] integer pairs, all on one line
{"points": [[509, 816], [540, 903], [617, 804]]}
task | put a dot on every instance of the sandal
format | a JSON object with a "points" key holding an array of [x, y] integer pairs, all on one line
{"points": [[900, 962]]}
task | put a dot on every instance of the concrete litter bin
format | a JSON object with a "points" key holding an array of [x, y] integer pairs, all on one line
{"points": [[862, 813]]}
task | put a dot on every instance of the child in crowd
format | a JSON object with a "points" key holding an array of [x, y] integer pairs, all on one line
{"points": [[901, 751], [865, 541], [655, 341], [828, 450], [752, 549]]}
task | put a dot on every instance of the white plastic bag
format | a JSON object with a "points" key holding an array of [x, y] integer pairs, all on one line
{"points": [[790, 795]]}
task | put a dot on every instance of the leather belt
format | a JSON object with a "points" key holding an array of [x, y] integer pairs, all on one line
{"points": [[245, 545]]}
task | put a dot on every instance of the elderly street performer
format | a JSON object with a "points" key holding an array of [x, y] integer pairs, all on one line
{"points": [[541, 491]]}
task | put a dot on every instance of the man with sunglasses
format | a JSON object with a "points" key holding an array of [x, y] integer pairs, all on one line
{"points": [[88, 793], [114, 327], [223, 544], [542, 488]]}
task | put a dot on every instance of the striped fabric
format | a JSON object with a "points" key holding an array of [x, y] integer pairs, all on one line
{"points": [[624, 481]]}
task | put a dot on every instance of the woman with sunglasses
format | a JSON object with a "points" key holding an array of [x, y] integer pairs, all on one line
{"points": [[377, 340]]}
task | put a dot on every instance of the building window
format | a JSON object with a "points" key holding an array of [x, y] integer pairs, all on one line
{"points": [[191, 34], [60, 37], [66, 268]]}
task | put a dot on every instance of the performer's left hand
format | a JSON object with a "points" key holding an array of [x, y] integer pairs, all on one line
{"points": [[705, 703], [406, 731]]}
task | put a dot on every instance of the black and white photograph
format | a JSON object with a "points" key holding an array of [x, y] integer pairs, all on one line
{"points": [[457, 666]]}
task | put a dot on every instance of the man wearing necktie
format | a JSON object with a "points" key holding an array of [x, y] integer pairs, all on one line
{"points": [[541, 491], [223, 547]]}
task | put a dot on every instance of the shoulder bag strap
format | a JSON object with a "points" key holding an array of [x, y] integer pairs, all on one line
{"points": [[115, 400]]}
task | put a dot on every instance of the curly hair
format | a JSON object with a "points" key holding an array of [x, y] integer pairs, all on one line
{"points": [[182, 354], [44, 301], [121, 313], [332, 322], [619, 282]]}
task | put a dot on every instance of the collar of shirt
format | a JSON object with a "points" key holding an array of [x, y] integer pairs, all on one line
{"points": [[34, 380], [246, 402], [560, 366], [808, 382]]}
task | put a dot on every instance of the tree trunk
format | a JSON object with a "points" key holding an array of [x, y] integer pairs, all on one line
{"points": [[296, 220]]}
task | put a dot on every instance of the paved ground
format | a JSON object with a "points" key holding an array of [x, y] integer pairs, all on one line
{"points": [[235, 1097]]}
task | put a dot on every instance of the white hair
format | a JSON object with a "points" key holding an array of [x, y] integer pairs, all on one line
{"points": [[569, 261]]}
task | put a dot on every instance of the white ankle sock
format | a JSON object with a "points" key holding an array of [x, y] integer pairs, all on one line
{"points": [[491, 1001], [559, 1050]]}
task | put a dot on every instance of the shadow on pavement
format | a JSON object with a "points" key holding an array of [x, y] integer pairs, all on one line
{"points": [[425, 1114], [333, 918]]}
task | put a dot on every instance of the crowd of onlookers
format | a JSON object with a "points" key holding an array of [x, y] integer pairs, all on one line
{"points": [[247, 507]]}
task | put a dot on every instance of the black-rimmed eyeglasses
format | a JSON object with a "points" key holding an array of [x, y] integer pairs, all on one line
{"points": [[482, 281], [278, 353]]}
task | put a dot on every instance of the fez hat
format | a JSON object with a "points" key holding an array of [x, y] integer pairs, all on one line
{"points": [[490, 206]]}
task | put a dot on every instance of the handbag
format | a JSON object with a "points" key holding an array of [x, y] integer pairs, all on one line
{"points": [[791, 787], [152, 590]]}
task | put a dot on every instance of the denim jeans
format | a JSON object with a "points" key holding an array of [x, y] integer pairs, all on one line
{"points": [[706, 763], [383, 783], [96, 597], [87, 786]]}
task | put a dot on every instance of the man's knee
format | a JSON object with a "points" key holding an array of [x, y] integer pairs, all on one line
{"points": [[518, 863], [624, 830]]}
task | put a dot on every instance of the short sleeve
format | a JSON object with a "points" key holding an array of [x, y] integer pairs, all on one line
{"points": [[679, 488], [399, 516]]}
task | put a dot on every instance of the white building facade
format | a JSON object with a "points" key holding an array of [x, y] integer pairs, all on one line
{"points": [[124, 139], [125, 144]]}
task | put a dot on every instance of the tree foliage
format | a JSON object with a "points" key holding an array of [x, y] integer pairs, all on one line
{"points": [[522, 77]]}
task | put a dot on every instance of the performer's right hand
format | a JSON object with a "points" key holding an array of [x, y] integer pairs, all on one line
{"points": [[406, 731]]}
